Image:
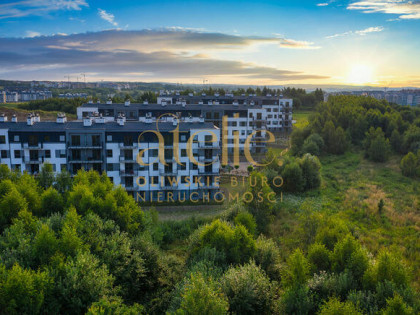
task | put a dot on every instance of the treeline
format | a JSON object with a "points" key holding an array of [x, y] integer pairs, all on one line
{"points": [[379, 128], [80, 245]]}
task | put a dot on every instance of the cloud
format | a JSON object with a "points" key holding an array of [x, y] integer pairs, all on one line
{"points": [[142, 55], [295, 44], [32, 34], [405, 9], [109, 17], [324, 4], [363, 32], [16, 9]]}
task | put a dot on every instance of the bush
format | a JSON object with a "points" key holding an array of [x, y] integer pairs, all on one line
{"points": [[335, 307], [319, 257], [235, 242], [297, 270], [201, 296], [349, 255], [396, 306], [248, 290], [377, 147], [409, 165], [293, 178], [23, 291], [311, 167], [247, 220], [268, 257]]}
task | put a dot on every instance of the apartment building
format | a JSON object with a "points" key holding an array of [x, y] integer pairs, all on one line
{"points": [[246, 115], [114, 146]]}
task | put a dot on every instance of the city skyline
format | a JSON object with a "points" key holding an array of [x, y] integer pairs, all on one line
{"points": [[266, 43]]}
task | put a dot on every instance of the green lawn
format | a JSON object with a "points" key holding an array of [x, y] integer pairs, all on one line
{"points": [[301, 117]]}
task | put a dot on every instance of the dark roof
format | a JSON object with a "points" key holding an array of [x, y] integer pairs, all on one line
{"points": [[172, 107], [131, 126]]}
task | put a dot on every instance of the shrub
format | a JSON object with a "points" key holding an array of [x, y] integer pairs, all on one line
{"points": [[319, 257], [248, 290], [235, 242], [297, 270], [396, 306], [293, 178], [23, 291], [310, 166], [247, 220], [377, 147], [268, 257], [201, 296], [335, 307], [349, 255], [409, 165]]}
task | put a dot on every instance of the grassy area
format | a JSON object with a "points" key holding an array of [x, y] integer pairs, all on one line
{"points": [[351, 190], [301, 117]]}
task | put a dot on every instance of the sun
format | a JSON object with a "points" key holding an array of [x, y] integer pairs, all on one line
{"points": [[360, 74]]}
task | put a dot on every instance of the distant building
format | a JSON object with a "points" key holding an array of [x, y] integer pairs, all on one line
{"points": [[246, 115], [24, 96], [402, 97], [73, 95]]}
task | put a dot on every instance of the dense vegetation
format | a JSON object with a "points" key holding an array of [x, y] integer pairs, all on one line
{"points": [[81, 245], [376, 126]]}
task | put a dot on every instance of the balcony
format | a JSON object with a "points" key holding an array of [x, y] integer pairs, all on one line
{"points": [[128, 145], [32, 146], [127, 173], [86, 146], [170, 187], [172, 172], [209, 145], [34, 161], [124, 159]]}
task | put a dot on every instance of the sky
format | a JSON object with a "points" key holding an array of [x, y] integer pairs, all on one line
{"points": [[326, 42]]}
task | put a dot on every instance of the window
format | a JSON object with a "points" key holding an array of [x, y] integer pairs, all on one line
{"points": [[75, 140], [183, 152], [194, 166], [183, 167], [17, 154], [109, 153], [47, 139], [16, 138], [33, 140], [184, 179], [155, 166], [109, 167], [109, 138], [3, 154], [47, 154], [96, 140], [16, 167], [2, 139], [183, 138], [62, 138], [243, 123], [60, 153], [153, 152], [216, 115], [63, 167], [111, 179]]}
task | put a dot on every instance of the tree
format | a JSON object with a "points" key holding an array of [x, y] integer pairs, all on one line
{"points": [[248, 290], [377, 147], [51, 202], [247, 220], [10, 205], [311, 175], [297, 272], [335, 307], [319, 258], [201, 296], [408, 165], [114, 305], [293, 178], [23, 291], [46, 176], [396, 306], [235, 242]]}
